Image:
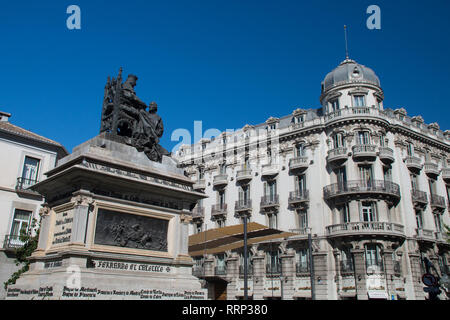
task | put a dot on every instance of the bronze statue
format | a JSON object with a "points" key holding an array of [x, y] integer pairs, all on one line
{"points": [[126, 115]]}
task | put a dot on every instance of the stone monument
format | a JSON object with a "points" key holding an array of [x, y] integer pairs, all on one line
{"points": [[115, 220]]}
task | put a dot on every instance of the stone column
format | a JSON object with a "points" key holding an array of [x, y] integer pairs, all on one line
{"points": [[360, 274], [320, 275], [288, 272], [389, 271], [183, 253], [232, 275], [258, 276], [414, 260], [83, 202], [44, 212]]}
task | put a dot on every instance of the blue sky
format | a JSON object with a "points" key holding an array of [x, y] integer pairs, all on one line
{"points": [[226, 63]]}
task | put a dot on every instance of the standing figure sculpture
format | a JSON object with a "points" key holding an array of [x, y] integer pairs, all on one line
{"points": [[125, 115]]}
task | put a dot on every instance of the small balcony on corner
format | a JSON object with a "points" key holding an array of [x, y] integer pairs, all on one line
{"points": [[431, 169], [386, 154], [364, 228], [419, 198], [385, 188], [269, 170], [413, 163], [198, 213], [337, 155], [364, 152], [437, 202], [299, 198], [219, 209], [270, 202], [243, 205]]}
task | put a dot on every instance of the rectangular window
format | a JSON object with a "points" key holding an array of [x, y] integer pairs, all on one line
{"points": [[270, 189], [221, 198], [414, 182], [302, 219], [363, 137], [300, 183], [299, 119], [303, 260], [366, 175], [387, 173], [299, 150], [373, 255], [419, 219], [19, 226], [223, 168], [438, 222], [368, 212], [341, 177], [345, 213], [410, 149], [30, 172], [382, 140], [201, 173], [359, 101], [244, 194], [273, 221], [338, 141], [432, 186], [334, 105]]}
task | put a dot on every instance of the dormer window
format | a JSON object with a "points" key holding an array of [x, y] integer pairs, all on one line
{"points": [[272, 126], [298, 119], [359, 101]]}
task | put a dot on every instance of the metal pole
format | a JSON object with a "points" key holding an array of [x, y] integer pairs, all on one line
{"points": [[245, 258], [311, 266]]}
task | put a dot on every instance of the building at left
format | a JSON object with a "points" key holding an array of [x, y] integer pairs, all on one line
{"points": [[24, 158]]}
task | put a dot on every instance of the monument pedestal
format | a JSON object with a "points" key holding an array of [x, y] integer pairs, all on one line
{"points": [[114, 226]]}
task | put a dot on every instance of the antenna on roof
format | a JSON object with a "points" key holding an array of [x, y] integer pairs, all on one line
{"points": [[346, 47]]}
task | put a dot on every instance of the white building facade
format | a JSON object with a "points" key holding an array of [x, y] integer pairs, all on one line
{"points": [[372, 185], [24, 158]]}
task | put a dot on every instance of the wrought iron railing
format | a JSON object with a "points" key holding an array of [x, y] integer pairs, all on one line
{"points": [[13, 242], [437, 201], [386, 152], [220, 208], [24, 183], [298, 161], [336, 152], [363, 148], [356, 186], [298, 195], [418, 195], [243, 204], [365, 227], [269, 200], [198, 212]]}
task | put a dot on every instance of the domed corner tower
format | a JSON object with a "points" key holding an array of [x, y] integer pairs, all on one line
{"points": [[351, 85]]}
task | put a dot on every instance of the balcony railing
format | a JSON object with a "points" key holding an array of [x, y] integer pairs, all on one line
{"points": [[298, 197], [337, 154], [446, 174], [301, 268], [414, 163], [273, 268], [419, 197], [438, 202], [270, 201], [219, 209], [362, 186], [220, 270], [23, 184], [424, 234], [198, 213], [243, 205], [355, 112], [269, 169], [199, 184], [220, 180], [12, 242], [364, 150], [298, 163], [386, 154], [373, 228], [244, 174], [431, 169]]}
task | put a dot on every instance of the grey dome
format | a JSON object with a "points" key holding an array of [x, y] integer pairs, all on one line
{"points": [[349, 71]]}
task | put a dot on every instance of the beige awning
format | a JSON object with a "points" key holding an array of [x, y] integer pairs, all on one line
{"points": [[232, 237]]}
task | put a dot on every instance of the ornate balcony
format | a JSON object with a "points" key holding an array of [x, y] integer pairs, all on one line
{"points": [[437, 202], [23, 185], [413, 163], [218, 210], [199, 184], [356, 112], [244, 175], [364, 152], [269, 170], [337, 155], [366, 228], [299, 198], [198, 213], [12, 242], [386, 154], [424, 235], [387, 189], [243, 206], [431, 169], [220, 180], [270, 202], [419, 198], [446, 174], [298, 164]]}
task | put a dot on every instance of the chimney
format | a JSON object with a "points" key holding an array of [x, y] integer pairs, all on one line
{"points": [[4, 116]]}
